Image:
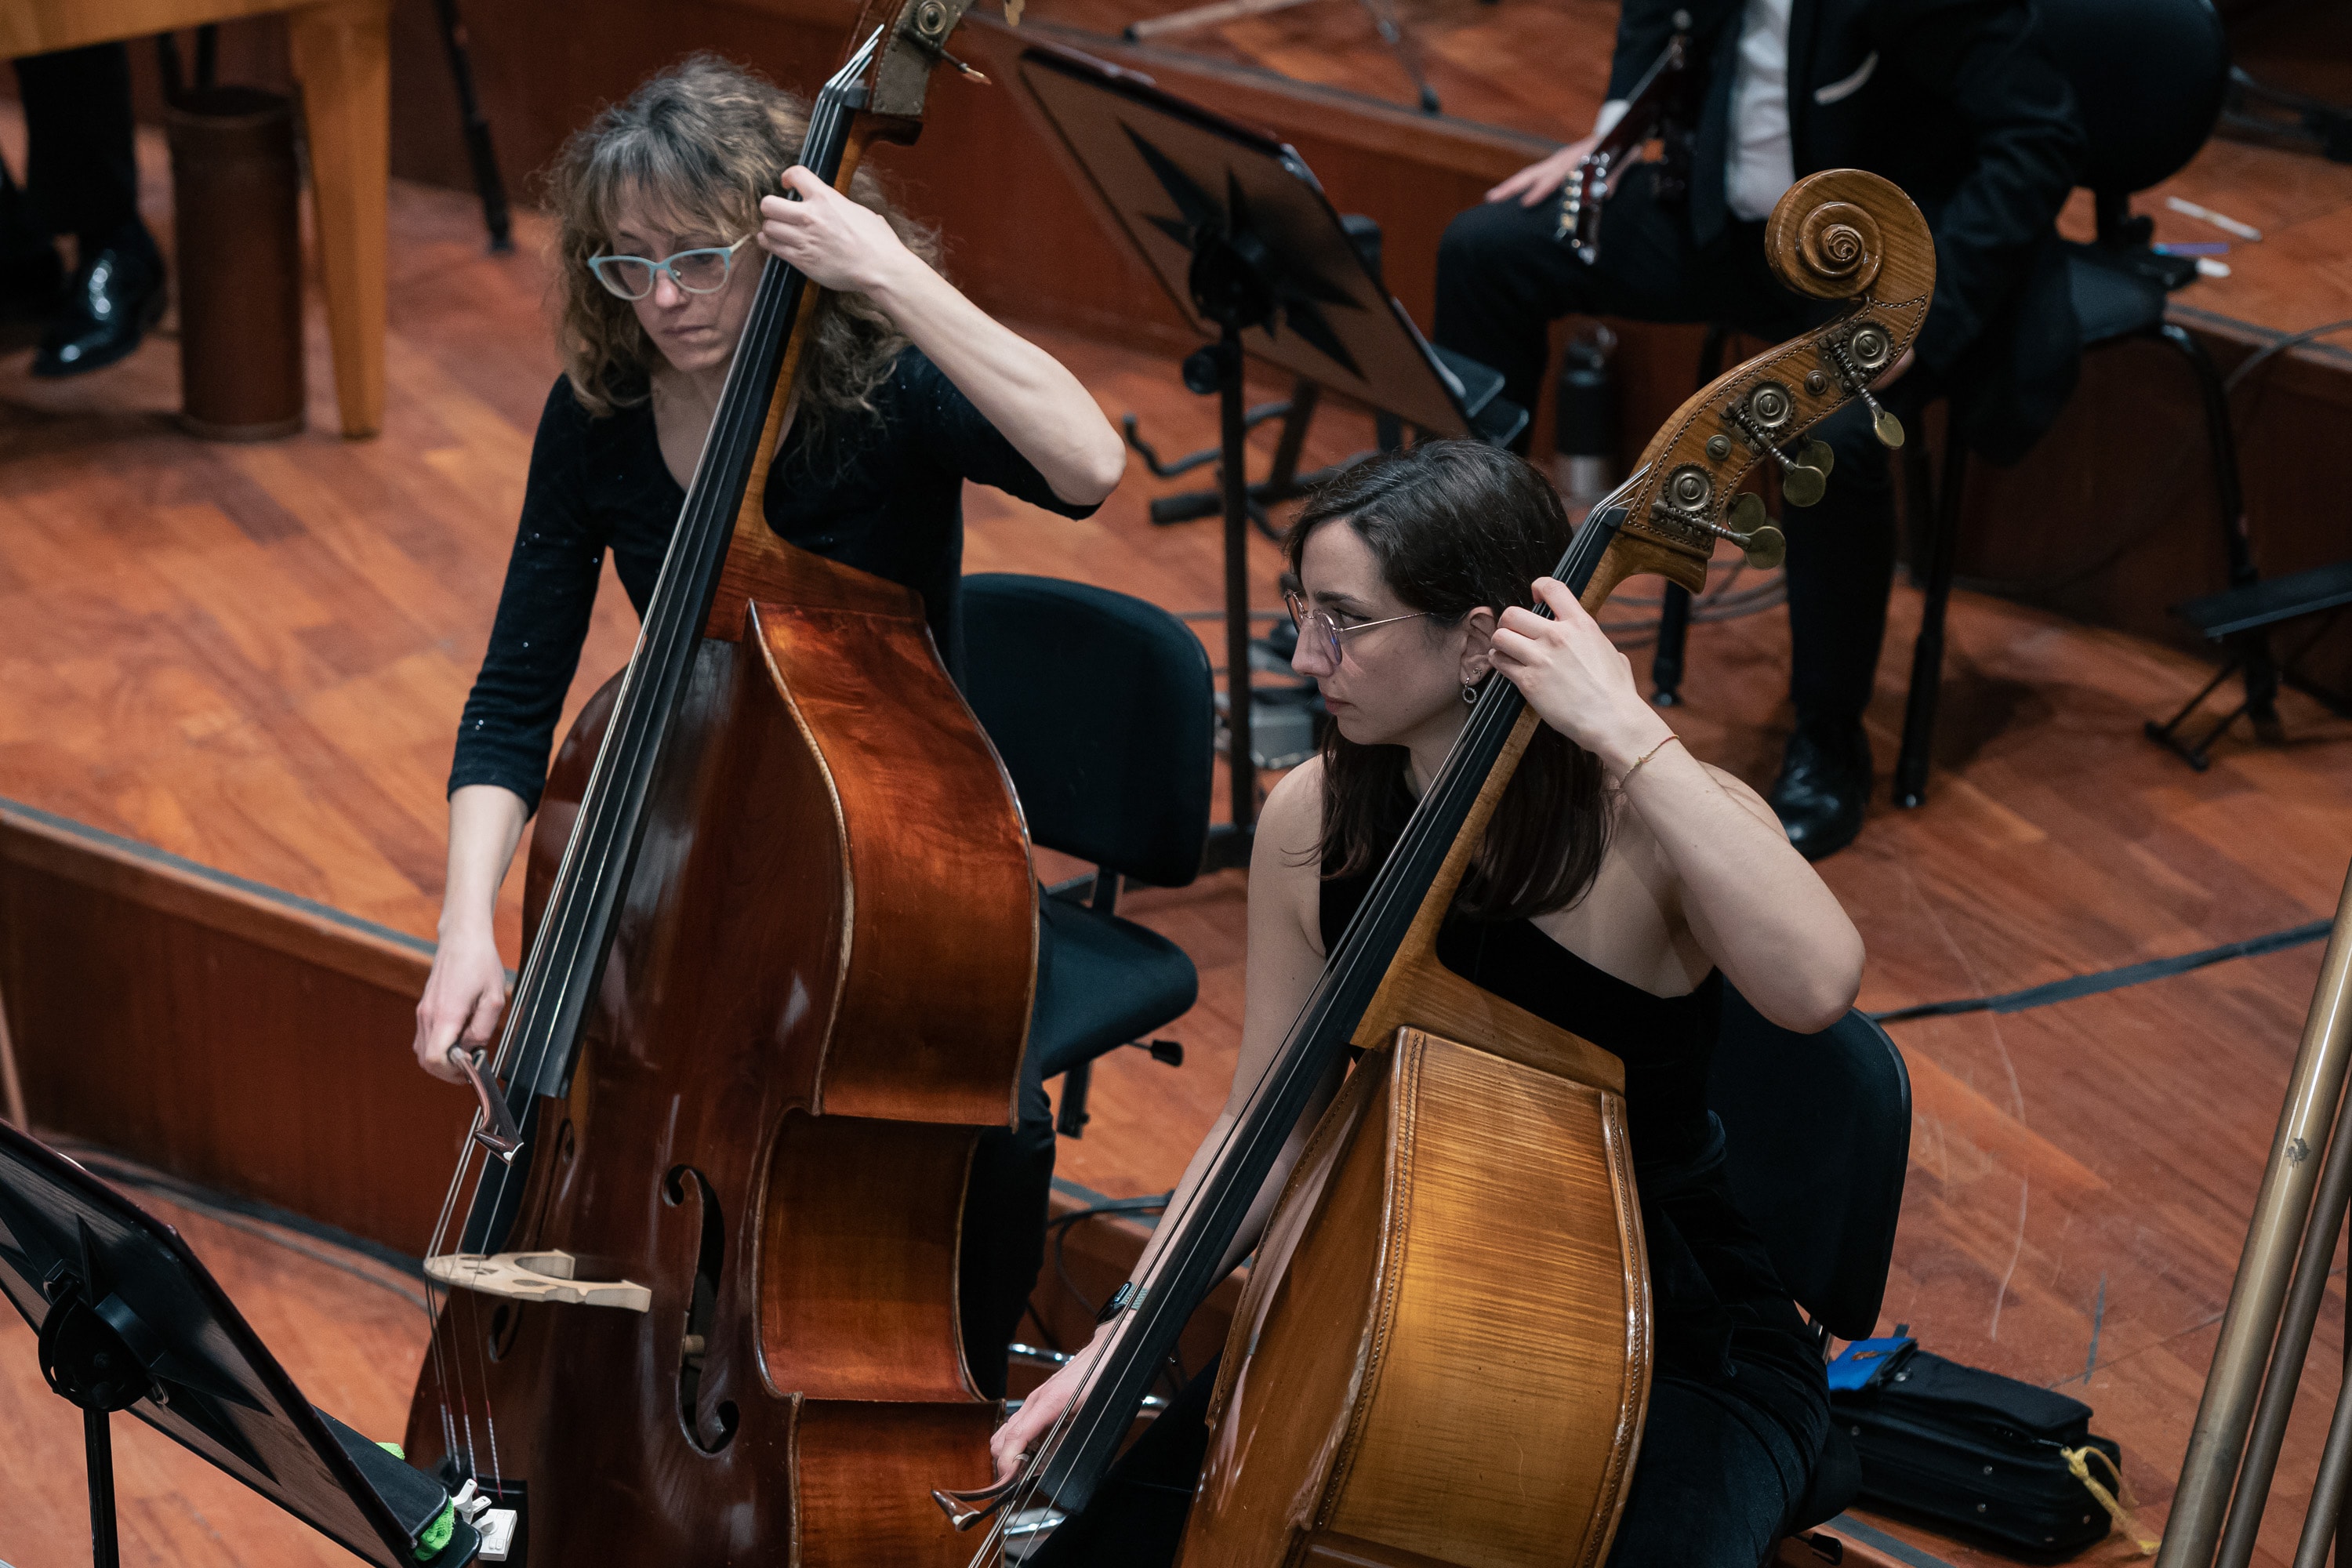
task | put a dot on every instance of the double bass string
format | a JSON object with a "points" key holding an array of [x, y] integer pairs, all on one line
{"points": [[664, 645], [591, 871], [1358, 962]]}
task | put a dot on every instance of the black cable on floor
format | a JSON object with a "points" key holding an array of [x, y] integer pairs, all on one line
{"points": [[2110, 979]]}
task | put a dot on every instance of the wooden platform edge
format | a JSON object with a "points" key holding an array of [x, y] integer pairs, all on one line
{"points": [[157, 879]]}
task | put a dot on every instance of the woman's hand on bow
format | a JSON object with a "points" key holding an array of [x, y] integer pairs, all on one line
{"points": [[463, 998], [1026, 1427]]}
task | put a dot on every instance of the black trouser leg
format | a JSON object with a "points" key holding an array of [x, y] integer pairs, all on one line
{"points": [[1003, 1244], [21, 232], [1502, 277], [1841, 565], [80, 167]]}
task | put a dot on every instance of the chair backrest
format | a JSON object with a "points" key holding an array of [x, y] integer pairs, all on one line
{"points": [[2148, 79], [1817, 1132], [1102, 707]]}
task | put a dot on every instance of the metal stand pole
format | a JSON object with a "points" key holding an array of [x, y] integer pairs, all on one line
{"points": [[487, 183], [98, 1448], [1239, 761], [1927, 653], [2217, 1442]]}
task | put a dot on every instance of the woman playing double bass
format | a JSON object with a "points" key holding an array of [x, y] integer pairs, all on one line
{"points": [[1622, 883], [908, 390]]}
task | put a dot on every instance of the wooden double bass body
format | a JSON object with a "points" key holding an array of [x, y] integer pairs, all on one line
{"points": [[817, 998], [719, 1325], [1442, 1359]]}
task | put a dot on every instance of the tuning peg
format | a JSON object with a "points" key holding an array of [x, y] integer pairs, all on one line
{"points": [[1883, 425], [1818, 456], [1764, 545], [1759, 417]]}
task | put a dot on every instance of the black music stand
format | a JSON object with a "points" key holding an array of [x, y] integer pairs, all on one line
{"points": [[1235, 226], [129, 1320]]}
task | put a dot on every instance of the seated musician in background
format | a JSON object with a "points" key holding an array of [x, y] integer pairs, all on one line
{"points": [[81, 179], [906, 390], [1621, 882], [1953, 103]]}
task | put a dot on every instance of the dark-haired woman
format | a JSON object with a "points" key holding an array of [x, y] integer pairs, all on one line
{"points": [[1622, 882], [906, 390]]}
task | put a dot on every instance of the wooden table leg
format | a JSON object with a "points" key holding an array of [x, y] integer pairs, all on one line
{"points": [[342, 56]]}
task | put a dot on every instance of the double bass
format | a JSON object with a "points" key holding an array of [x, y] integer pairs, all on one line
{"points": [[696, 1270], [1442, 1356]]}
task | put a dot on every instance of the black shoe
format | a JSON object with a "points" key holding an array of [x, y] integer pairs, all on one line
{"points": [[116, 296], [1823, 785]]}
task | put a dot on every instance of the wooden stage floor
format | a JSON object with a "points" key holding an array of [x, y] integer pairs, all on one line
{"points": [[254, 657]]}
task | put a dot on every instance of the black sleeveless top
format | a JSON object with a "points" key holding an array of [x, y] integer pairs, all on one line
{"points": [[1717, 1301]]}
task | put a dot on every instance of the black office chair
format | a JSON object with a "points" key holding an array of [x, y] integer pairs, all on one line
{"points": [[1100, 705], [2150, 77], [1817, 1134]]}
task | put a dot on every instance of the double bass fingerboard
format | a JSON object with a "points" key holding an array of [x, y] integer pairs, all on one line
{"points": [[540, 1043], [1187, 1267]]}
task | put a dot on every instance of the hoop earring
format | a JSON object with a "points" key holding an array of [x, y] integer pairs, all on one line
{"points": [[1469, 692]]}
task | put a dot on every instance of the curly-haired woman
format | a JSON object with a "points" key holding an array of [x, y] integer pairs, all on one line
{"points": [[906, 389]]}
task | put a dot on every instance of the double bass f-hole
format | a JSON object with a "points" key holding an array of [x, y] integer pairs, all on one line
{"points": [[713, 1430]]}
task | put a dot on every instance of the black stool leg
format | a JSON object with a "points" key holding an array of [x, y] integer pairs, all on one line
{"points": [[1928, 653], [2253, 648], [1070, 1117], [1674, 615]]}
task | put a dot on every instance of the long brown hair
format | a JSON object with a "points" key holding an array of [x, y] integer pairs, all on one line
{"points": [[1455, 525], [707, 139]]}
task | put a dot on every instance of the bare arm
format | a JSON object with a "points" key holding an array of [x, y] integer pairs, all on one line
{"points": [[1285, 958], [1750, 900], [1024, 391], [467, 987]]}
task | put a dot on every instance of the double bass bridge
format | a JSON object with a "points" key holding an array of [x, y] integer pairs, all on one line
{"points": [[551, 1277]]}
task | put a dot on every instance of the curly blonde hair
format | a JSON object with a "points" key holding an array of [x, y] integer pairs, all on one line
{"points": [[706, 139]]}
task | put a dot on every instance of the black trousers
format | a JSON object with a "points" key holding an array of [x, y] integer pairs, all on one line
{"points": [[81, 177], [1501, 277], [1004, 1240], [1722, 1469]]}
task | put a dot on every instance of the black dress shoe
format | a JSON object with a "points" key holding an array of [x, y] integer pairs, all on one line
{"points": [[1823, 785], [116, 296]]}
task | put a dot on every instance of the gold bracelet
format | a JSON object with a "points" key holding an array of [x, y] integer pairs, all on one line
{"points": [[1628, 775]]}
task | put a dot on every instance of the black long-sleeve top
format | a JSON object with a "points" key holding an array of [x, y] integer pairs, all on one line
{"points": [[883, 493]]}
